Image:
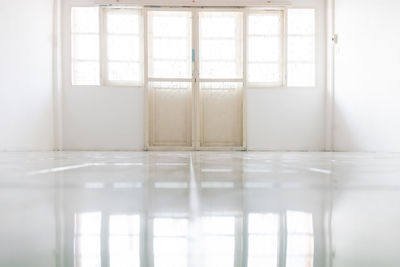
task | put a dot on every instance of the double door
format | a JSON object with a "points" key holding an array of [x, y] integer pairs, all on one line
{"points": [[194, 79]]}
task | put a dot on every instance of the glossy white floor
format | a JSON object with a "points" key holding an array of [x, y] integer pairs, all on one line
{"points": [[195, 209]]}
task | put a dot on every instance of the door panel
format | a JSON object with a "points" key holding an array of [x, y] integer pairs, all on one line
{"points": [[170, 114], [170, 89], [221, 99], [221, 114]]}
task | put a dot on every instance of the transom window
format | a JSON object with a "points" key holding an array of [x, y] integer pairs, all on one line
{"points": [[118, 47]]}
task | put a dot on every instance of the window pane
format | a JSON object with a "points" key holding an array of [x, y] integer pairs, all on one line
{"points": [[219, 24], [170, 44], [170, 69], [170, 24], [300, 74], [123, 48], [262, 262], [122, 21], [125, 72], [264, 24], [85, 47], [301, 48], [220, 45], [218, 50], [171, 49], [301, 21], [85, 20], [85, 73], [219, 70], [264, 66], [264, 49], [264, 73]]}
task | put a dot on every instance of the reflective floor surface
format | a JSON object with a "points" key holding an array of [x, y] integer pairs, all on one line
{"points": [[199, 209]]}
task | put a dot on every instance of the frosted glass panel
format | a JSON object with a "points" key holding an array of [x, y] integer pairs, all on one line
{"points": [[170, 44], [300, 74], [264, 72], [220, 44], [301, 21], [85, 20], [218, 50], [170, 24], [170, 69], [222, 69], [85, 47], [264, 24], [123, 21], [85, 73], [264, 49], [122, 71], [301, 48], [219, 24], [172, 49], [123, 48]]}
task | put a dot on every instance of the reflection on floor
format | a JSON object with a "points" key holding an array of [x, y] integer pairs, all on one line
{"points": [[199, 209]]}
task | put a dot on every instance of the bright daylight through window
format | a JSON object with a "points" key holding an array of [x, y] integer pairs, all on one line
{"points": [[107, 46]]}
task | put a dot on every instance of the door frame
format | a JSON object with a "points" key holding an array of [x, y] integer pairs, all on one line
{"points": [[196, 126]]}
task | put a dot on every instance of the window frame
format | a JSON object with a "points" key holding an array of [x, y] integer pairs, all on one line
{"points": [[143, 14]]}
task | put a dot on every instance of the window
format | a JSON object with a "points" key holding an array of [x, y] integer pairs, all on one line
{"points": [[263, 233], [301, 47], [170, 242], [85, 67], [124, 240], [107, 46], [265, 48], [123, 41], [300, 239], [87, 238]]}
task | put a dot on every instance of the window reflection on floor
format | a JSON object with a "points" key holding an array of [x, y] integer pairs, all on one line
{"points": [[263, 233], [300, 239], [124, 241], [218, 241], [170, 242], [87, 238]]}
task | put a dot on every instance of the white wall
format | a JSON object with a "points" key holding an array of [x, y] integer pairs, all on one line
{"points": [[26, 121], [367, 80], [112, 118]]}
